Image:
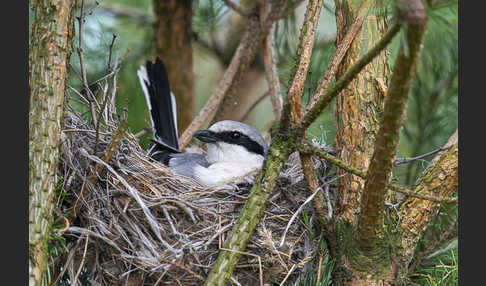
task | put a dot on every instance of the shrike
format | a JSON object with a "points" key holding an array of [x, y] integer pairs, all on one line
{"points": [[233, 148]]}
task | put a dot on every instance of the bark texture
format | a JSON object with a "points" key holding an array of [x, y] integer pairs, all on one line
{"points": [[251, 213], [387, 139], [50, 49], [359, 105], [440, 179], [173, 45]]}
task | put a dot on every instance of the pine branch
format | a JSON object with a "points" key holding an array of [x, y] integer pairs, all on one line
{"points": [[279, 151], [338, 55], [250, 215], [50, 47], [440, 179], [308, 148], [292, 107], [370, 221], [293, 104], [324, 100]]}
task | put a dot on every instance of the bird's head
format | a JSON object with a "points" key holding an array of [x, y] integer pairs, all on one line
{"points": [[229, 140]]}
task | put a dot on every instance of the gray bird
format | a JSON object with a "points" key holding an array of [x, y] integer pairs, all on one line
{"points": [[233, 148]]}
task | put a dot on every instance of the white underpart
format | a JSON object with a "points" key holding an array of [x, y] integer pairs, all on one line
{"points": [[228, 161]]}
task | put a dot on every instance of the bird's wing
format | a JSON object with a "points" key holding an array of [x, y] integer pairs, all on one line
{"points": [[185, 163]]}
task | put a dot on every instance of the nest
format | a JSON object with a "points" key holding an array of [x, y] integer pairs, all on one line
{"points": [[140, 224]]}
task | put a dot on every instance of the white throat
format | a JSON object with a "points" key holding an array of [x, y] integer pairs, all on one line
{"points": [[227, 161], [224, 152]]}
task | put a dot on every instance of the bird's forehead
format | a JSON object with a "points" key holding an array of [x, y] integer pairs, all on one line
{"points": [[230, 125]]}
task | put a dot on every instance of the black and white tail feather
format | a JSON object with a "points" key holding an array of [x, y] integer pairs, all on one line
{"points": [[162, 107]]}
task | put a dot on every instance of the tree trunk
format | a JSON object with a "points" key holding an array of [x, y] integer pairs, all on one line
{"points": [[50, 49], [358, 106], [373, 246], [173, 44]]}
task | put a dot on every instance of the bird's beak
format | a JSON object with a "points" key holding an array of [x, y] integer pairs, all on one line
{"points": [[206, 136]]}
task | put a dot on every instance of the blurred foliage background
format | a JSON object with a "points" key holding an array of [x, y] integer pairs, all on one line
{"points": [[432, 114], [433, 101]]}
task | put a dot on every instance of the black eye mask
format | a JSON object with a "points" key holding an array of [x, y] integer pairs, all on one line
{"points": [[234, 137], [231, 137]]}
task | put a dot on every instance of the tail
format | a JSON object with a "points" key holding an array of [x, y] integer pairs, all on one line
{"points": [[162, 107]]}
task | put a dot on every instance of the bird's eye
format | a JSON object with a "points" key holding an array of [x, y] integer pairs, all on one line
{"points": [[235, 135]]}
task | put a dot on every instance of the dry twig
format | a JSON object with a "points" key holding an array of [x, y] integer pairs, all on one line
{"points": [[237, 8], [272, 74], [87, 90]]}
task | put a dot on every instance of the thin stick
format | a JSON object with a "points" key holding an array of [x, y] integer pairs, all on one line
{"points": [[82, 65], [338, 56], [319, 270], [238, 9], [142, 132], [82, 261], [271, 74], [253, 105], [307, 147], [407, 160], [288, 274], [183, 267], [108, 66], [301, 207], [79, 94]]}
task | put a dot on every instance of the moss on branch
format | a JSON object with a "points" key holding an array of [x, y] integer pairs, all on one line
{"points": [[250, 216]]}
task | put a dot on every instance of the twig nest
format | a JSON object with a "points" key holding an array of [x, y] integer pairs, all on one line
{"points": [[146, 226]]}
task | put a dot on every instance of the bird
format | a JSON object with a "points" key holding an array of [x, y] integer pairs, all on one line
{"points": [[233, 148]]}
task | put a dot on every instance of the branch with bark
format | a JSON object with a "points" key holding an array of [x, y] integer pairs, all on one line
{"points": [[324, 100], [50, 49], [440, 179], [279, 151], [308, 148], [281, 147], [372, 204]]}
